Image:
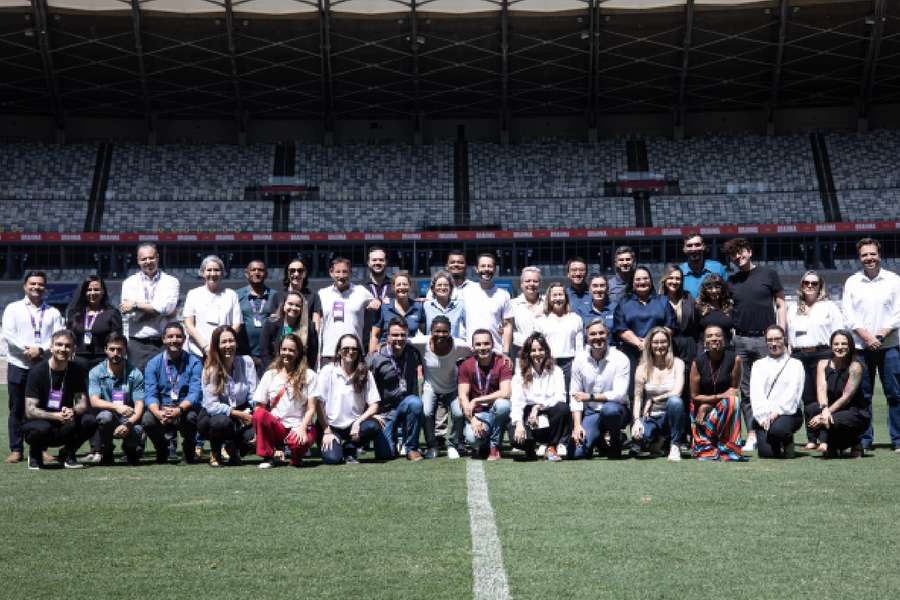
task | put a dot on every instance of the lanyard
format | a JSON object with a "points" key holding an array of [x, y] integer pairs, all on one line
{"points": [[89, 320], [172, 377], [37, 326], [482, 387], [149, 290], [62, 384], [256, 306], [379, 291]]}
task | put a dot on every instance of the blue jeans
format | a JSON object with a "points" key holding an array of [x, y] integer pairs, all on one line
{"points": [[671, 422], [749, 350], [887, 363], [408, 414], [108, 421], [496, 419], [611, 417], [344, 446], [430, 402]]}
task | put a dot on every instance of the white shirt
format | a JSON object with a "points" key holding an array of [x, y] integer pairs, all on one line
{"points": [[564, 334], [873, 304], [609, 376], [441, 371], [486, 309], [211, 309], [342, 312], [784, 396], [456, 292], [19, 330], [341, 402], [290, 410], [813, 328], [161, 292], [523, 317], [546, 389]]}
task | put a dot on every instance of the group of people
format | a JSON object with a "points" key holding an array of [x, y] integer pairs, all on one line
{"points": [[708, 363]]}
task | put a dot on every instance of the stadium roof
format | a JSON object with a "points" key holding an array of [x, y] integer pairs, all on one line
{"points": [[335, 59]]}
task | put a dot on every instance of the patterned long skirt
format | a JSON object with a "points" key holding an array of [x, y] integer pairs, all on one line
{"points": [[718, 436]]}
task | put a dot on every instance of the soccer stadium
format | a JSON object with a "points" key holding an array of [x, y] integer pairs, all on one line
{"points": [[205, 150]]}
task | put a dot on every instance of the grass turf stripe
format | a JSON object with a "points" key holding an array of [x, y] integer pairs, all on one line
{"points": [[488, 575]]}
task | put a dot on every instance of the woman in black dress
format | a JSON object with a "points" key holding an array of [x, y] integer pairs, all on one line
{"points": [[92, 317], [841, 413]]}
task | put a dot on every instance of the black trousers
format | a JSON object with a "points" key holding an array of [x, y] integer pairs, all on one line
{"points": [[560, 421], [224, 429], [160, 434], [810, 361], [849, 424], [140, 351], [771, 443], [42, 434], [16, 378]]}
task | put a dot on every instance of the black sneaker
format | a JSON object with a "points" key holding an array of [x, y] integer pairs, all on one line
{"points": [[351, 459], [72, 463], [132, 458], [35, 464]]}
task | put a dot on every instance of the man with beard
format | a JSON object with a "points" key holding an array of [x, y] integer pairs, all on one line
{"points": [[257, 302], [620, 283], [379, 284], [488, 306], [577, 290], [697, 266]]}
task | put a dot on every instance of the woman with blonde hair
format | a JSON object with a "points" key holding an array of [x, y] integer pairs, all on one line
{"points": [[562, 327], [658, 382]]}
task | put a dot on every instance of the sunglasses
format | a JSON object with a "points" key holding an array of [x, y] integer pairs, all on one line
{"points": [[296, 270], [810, 283], [349, 349]]}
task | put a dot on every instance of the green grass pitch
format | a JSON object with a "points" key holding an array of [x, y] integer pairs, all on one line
{"points": [[644, 529]]}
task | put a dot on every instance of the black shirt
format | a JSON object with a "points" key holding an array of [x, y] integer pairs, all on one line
{"points": [[754, 294], [108, 321], [39, 378]]}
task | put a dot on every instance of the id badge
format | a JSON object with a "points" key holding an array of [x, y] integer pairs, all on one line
{"points": [[257, 321], [55, 400], [118, 396], [37, 337], [173, 394], [88, 336], [337, 311]]}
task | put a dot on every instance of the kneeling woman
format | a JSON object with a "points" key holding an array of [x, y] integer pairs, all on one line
{"points": [[347, 406], [285, 406], [658, 408], [229, 382], [776, 391], [715, 414], [842, 413], [539, 411]]}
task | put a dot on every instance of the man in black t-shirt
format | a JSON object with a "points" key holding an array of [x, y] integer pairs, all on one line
{"points": [[758, 304], [56, 404]]}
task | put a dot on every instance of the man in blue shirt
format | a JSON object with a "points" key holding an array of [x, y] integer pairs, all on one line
{"points": [[172, 395], [601, 308], [697, 266], [620, 283], [257, 302], [577, 290], [116, 390]]}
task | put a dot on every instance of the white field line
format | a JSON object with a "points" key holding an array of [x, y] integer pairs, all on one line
{"points": [[488, 574]]}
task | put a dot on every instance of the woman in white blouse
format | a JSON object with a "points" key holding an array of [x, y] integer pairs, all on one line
{"points": [[776, 388], [210, 305], [563, 328], [229, 383], [658, 407], [285, 406], [539, 413], [810, 323]]}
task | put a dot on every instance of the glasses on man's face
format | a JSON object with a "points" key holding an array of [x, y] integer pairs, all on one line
{"points": [[809, 283], [300, 271], [349, 350]]}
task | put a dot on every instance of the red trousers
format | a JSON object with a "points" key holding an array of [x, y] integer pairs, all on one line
{"points": [[272, 435]]}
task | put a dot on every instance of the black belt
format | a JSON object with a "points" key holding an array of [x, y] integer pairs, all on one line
{"points": [[750, 332]]}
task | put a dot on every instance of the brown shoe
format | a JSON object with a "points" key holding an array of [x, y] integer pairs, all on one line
{"points": [[14, 457], [414, 455]]}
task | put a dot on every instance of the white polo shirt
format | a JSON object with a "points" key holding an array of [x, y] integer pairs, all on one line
{"points": [[342, 312], [486, 309], [441, 372], [342, 404]]}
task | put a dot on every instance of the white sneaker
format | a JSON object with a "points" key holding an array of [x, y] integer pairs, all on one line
{"points": [[541, 450], [452, 453], [561, 450], [674, 453], [266, 464], [431, 453], [750, 445], [93, 458]]}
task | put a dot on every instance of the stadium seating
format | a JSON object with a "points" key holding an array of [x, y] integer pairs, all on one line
{"points": [[370, 172], [728, 164], [182, 172], [363, 215], [870, 205], [864, 161], [41, 172], [147, 216], [33, 215], [554, 214], [546, 169], [722, 209]]}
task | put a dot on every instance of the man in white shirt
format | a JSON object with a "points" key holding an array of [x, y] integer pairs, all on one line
{"points": [[456, 266], [341, 309], [871, 304], [488, 306], [599, 394], [28, 325], [149, 300], [776, 389]]}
